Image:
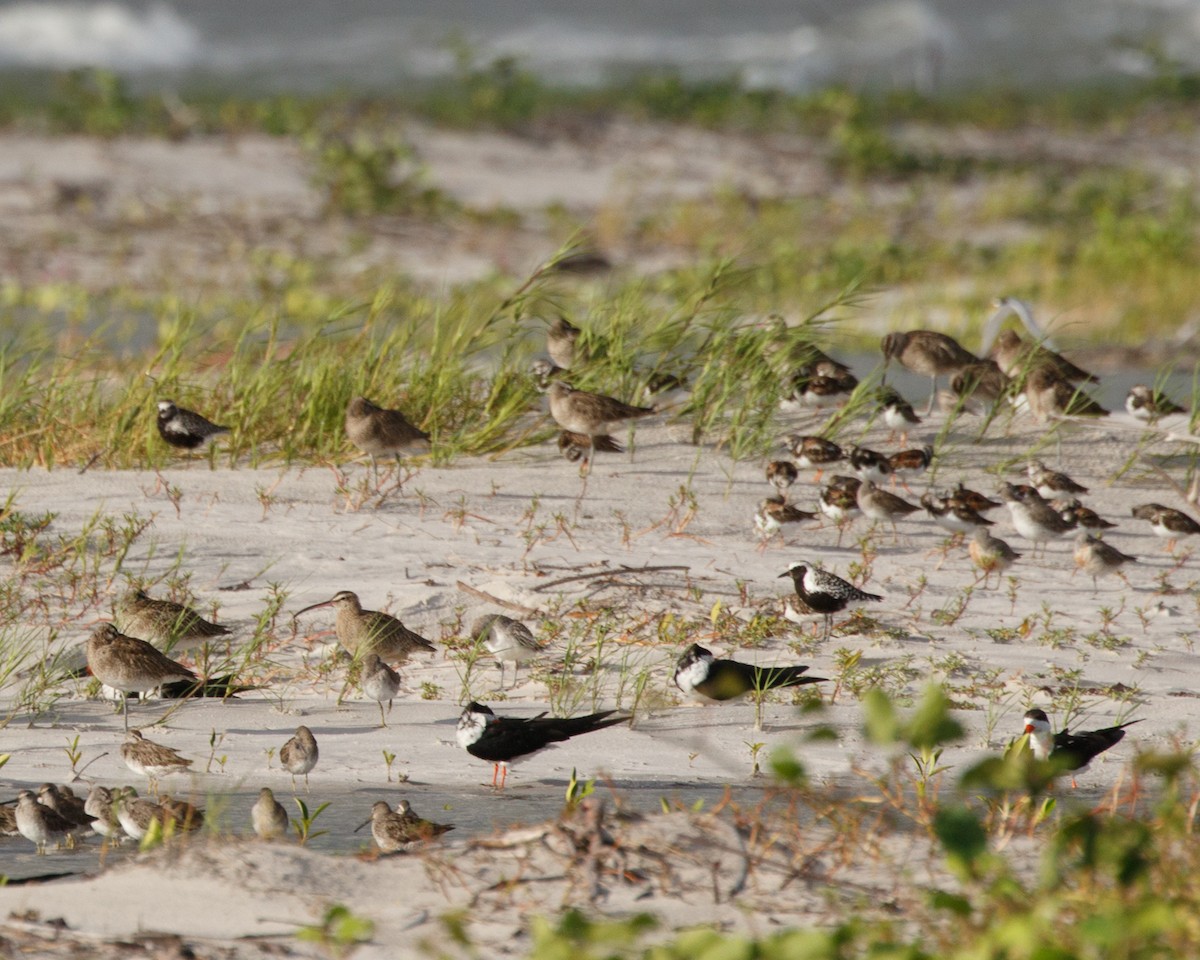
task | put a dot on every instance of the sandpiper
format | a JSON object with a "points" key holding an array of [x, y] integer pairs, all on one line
{"points": [[503, 740], [268, 817], [1167, 523], [379, 683], [990, 554], [151, 760], [562, 339], [1016, 357], [773, 513], [782, 474], [299, 755], [590, 414], [1050, 483], [1097, 558], [382, 433], [813, 453], [953, 516], [136, 815], [1075, 512], [825, 593], [869, 464], [169, 626], [1070, 751], [575, 445], [362, 631], [1149, 405], [979, 387], [184, 428], [506, 639], [187, 816], [129, 665], [1033, 517], [402, 829], [38, 823], [101, 805], [907, 464], [701, 675], [1051, 397], [897, 414], [926, 352], [879, 504], [64, 802]]}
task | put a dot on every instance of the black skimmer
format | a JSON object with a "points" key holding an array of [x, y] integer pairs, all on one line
{"points": [[1070, 751]]}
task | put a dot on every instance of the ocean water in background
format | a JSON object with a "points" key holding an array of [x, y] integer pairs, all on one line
{"points": [[315, 45]]}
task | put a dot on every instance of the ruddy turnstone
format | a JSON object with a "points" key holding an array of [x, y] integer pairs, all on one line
{"points": [[590, 414], [1166, 522], [773, 513], [869, 464], [839, 501], [184, 428], [907, 464], [1149, 405], [701, 675], [169, 626], [300, 754], [811, 390], [897, 414], [782, 474], [1050, 483], [129, 665], [1098, 559], [1070, 751], [562, 339], [503, 740], [955, 517], [990, 554], [926, 352], [1075, 512], [379, 683], [268, 817], [151, 760], [573, 446], [825, 593], [879, 504], [1033, 517], [506, 639], [979, 387], [362, 631], [962, 496], [402, 829], [813, 453]]}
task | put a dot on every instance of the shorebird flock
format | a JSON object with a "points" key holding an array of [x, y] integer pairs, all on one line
{"points": [[140, 650]]}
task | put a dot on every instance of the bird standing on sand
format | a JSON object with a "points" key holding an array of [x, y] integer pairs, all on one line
{"points": [[1167, 523], [781, 474], [813, 453], [1070, 751], [503, 740], [382, 433], [990, 554], [590, 414], [299, 755], [825, 593], [1051, 397], [129, 665], [379, 683], [926, 352], [897, 414], [1033, 517], [402, 829], [909, 464], [1016, 357], [1148, 405], [151, 760], [506, 639], [1098, 559], [39, 824], [184, 428], [362, 631], [701, 675], [268, 817], [879, 504]]}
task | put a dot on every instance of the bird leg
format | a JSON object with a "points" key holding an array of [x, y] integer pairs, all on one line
{"points": [[932, 397], [382, 721]]}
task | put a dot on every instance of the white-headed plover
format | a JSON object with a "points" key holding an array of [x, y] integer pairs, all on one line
{"points": [[268, 816], [701, 675], [1098, 559], [825, 593], [1149, 405], [400, 829], [129, 665], [926, 352], [300, 754], [503, 740], [362, 631], [506, 639], [185, 428], [1167, 523], [1070, 751]]}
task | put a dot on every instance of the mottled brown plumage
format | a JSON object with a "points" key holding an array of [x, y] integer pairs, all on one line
{"points": [[1016, 357], [167, 625], [980, 385], [300, 754], [402, 829], [151, 760], [590, 414], [382, 433], [562, 339], [927, 352], [130, 665], [1050, 397], [362, 631]]}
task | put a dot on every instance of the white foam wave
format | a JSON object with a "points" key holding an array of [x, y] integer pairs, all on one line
{"points": [[66, 35]]}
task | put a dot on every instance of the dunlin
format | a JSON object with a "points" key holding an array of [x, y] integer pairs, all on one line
{"points": [[699, 674], [129, 665], [63, 802], [185, 428], [169, 626], [825, 593], [1070, 751], [927, 352], [379, 683], [590, 414], [402, 829], [299, 755], [506, 639], [503, 740], [1097, 558], [151, 760], [362, 631], [990, 554], [269, 818]]}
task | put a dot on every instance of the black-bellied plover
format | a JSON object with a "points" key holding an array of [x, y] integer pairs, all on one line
{"points": [[129, 665], [1098, 559], [1069, 751], [506, 639], [185, 428], [590, 414], [1167, 523], [400, 829], [151, 760], [268, 816], [362, 631], [379, 682], [926, 352], [825, 593], [169, 626], [701, 675], [300, 754], [503, 740], [990, 554], [1149, 405]]}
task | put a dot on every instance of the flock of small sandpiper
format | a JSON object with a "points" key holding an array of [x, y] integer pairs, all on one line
{"points": [[134, 653]]}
